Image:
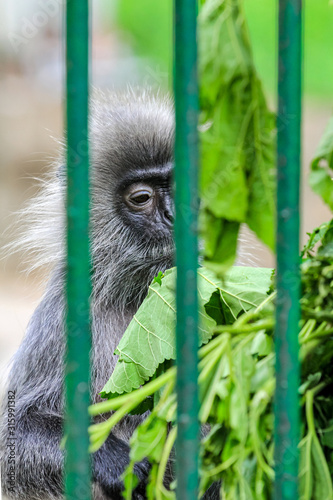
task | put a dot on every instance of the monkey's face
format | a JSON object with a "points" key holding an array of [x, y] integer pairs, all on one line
{"points": [[145, 206], [146, 202], [134, 236], [133, 207]]}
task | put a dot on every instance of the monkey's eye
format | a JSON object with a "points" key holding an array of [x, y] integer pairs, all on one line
{"points": [[139, 196]]}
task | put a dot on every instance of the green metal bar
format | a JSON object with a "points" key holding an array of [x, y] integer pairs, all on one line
{"points": [[77, 467], [186, 200], [287, 419]]}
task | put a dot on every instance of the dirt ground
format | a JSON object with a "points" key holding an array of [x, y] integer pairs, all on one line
{"points": [[34, 122]]}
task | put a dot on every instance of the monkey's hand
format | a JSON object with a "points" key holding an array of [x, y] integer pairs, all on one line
{"points": [[109, 463]]}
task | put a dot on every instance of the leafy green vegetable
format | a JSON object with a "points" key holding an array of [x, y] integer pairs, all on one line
{"points": [[321, 176], [149, 340], [236, 387], [237, 135]]}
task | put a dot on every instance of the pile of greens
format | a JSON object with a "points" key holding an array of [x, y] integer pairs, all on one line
{"points": [[236, 379]]}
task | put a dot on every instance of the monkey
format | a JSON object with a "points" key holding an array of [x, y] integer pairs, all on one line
{"points": [[131, 141]]}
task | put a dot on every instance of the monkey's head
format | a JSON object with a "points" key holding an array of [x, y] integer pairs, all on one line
{"points": [[131, 144], [132, 200]]}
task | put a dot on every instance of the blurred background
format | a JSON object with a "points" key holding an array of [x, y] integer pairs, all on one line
{"points": [[131, 45]]}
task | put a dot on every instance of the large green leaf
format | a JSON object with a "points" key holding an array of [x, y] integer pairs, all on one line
{"points": [[150, 338], [237, 182], [243, 288]]}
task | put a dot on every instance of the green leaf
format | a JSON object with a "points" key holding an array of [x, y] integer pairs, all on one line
{"points": [[242, 289], [238, 134], [214, 308], [221, 237], [148, 440], [315, 237], [158, 278], [264, 370], [150, 337], [322, 483], [245, 492], [262, 344], [305, 469], [321, 176], [315, 477]]}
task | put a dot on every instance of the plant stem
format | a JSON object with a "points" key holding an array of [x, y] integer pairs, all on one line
{"points": [[136, 396]]}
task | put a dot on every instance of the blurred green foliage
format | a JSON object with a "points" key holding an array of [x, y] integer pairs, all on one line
{"points": [[147, 24]]}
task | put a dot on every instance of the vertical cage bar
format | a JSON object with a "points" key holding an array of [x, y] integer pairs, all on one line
{"points": [[287, 419], [77, 467], [186, 199]]}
